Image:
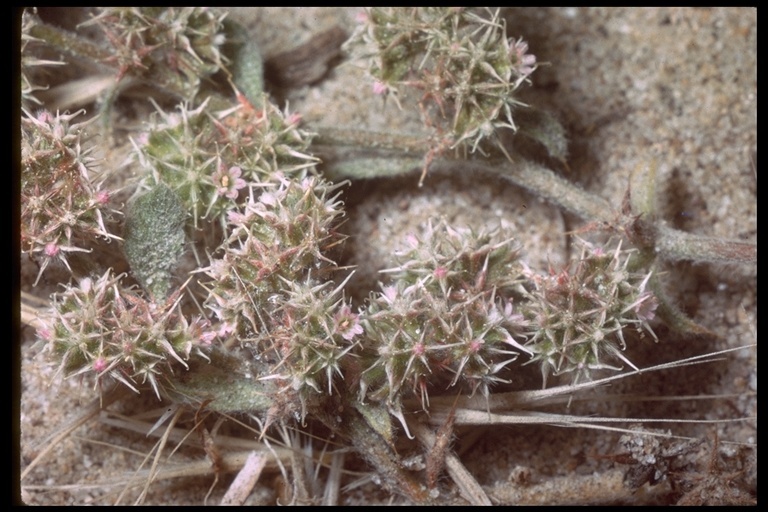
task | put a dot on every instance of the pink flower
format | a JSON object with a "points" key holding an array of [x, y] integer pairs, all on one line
{"points": [[506, 316], [228, 182], [294, 119], [52, 250], [379, 88], [200, 329], [389, 293], [225, 330], [475, 346], [45, 333], [524, 62], [207, 337], [269, 198], [236, 218], [645, 306], [44, 117], [347, 323], [100, 364], [142, 139], [102, 197]]}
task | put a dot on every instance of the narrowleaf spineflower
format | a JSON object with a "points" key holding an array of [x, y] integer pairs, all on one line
{"points": [[311, 336], [347, 323], [578, 316], [278, 237], [447, 319], [63, 205], [207, 158], [99, 327], [523, 62], [459, 59], [174, 47]]}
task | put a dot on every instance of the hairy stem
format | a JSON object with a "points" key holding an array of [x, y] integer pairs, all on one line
{"points": [[669, 243]]}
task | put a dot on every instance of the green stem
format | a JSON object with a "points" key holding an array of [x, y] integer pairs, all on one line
{"points": [[678, 245], [70, 44], [669, 243], [334, 136], [548, 185]]}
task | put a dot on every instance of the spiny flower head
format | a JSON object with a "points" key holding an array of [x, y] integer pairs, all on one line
{"points": [[461, 260], [209, 160], [443, 321], [460, 59], [100, 328], [62, 204], [578, 315], [278, 238], [264, 140], [312, 333], [147, 41]]}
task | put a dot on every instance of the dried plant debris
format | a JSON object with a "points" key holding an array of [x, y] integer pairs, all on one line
{"points": [[654, 456], [725, 481]]}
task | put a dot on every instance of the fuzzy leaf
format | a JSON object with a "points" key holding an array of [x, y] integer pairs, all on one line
{"points": [[642, 190], [378, 418], [542, 127], [228, 380], [247, 63], [154, 238]]}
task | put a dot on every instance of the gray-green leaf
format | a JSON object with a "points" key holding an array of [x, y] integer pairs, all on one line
{"points": [[154, 238]]}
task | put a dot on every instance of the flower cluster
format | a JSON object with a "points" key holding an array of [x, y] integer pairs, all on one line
{"points": [[62, 204], [461, 59], [447, 318], [98, 327], [456, 311], [262, 139], [578, 315], [460, 259], [312, 334], [148, 41], [275, 239], [208, 160], [269, 289]]}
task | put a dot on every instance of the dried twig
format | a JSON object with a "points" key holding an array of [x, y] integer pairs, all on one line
{"points": [[243, 484], [468, 487]]}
